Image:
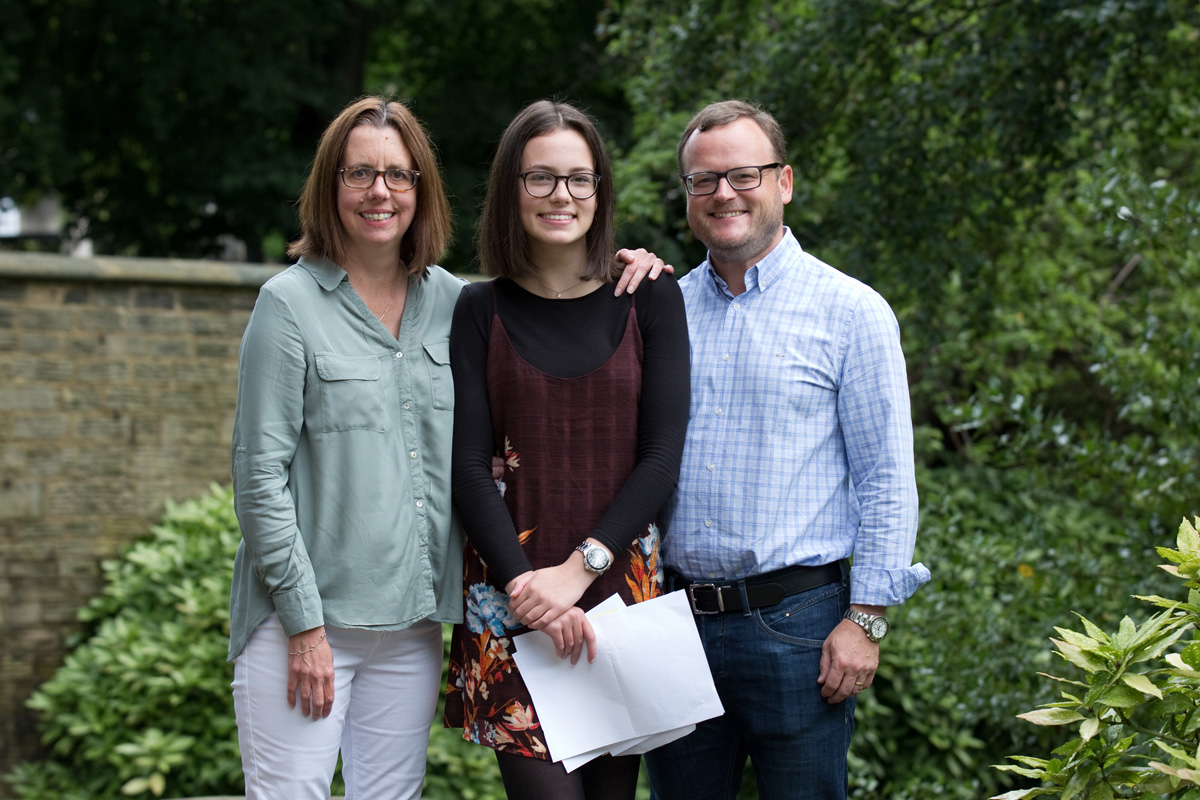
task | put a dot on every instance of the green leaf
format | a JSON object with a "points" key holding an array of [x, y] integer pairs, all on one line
{"points": [[1122, 697], [1079, 657], [1051, 716], [1142, 684], [1191, 655], [1089, 728]]}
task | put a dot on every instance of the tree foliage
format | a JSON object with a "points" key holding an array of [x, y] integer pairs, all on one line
{"points": [[169, 124], [1020, 181]]}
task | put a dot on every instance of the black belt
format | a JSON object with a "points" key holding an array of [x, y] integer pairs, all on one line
{"points": [[712, 597]]}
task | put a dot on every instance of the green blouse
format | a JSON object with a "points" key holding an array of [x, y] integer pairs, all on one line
{"points": [[341, 458]]}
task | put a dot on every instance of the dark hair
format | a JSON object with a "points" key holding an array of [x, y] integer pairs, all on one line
{"points": [[502, 242], [321, 231], [714, 115]]}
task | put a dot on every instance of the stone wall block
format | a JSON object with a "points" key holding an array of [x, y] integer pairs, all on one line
{"points": [[101, 319], [126, 396], [153, 298], [112, 426], [13, 289], [21, 498], [157, 322], [86, 498], [122, 344], [45, 319], [104, 371], [39, 342], [168, 347], [38, 426], [28, 396], [214, 349]]}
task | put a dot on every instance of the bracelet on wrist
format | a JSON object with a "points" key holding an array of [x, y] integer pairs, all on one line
{"points": [[309, 649]]}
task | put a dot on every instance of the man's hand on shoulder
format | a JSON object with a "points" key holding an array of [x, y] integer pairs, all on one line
{"points": [[639, 264]]}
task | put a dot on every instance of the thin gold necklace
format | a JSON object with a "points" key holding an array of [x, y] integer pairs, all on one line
{"points": [[384, 314], [557, 293]]}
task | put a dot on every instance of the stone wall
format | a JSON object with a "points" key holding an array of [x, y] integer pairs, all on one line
{"points": [[118, 380]]}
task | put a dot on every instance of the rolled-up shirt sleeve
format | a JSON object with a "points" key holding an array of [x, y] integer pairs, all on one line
{"points": [[876, 422], [268, 422]]}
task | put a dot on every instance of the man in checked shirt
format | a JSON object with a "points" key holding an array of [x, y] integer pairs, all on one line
{"points": [[799, 456]]}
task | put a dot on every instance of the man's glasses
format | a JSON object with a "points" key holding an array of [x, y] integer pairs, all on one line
{"points": [[580, 185], [398, 180], [740, 178]]}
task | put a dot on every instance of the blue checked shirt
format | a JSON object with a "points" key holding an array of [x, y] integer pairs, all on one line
{"points": [[799, 443]]}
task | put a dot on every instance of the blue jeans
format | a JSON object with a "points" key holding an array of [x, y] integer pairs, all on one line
{"points": [[765, 664]]}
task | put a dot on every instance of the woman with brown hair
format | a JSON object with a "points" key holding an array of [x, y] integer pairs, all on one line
{"points": [[350, 553], [585, 395]]}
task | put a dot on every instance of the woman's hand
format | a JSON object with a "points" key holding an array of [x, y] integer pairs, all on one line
{"points": [[549, 592], [310, 672], [639, 264], [570, 632]]}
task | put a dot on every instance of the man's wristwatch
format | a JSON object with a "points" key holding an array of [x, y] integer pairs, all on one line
{"points": [[876, 627], [595, 558]]}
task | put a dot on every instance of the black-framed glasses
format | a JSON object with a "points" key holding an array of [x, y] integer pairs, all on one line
{"points": [[742, 179], [580, 185], [398, 180]]}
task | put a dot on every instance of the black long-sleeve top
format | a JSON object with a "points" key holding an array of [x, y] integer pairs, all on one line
{"points": [[568, 338]]}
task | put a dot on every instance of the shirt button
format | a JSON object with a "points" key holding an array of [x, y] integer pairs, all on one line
{"points": [[406, 404], [725, 357], [711, 467], [737, 305], [413, 454], [719, 411], [399, 355], [420, 504], [708, 523]]}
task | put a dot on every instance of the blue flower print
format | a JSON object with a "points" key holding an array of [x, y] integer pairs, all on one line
{"points": [[487, 607], [646, 543]]}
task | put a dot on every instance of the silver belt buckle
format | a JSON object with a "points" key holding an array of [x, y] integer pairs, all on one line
{"points": [[691, 591]]}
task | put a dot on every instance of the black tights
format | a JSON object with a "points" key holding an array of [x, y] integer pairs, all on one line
{"points": [[605, 778]]}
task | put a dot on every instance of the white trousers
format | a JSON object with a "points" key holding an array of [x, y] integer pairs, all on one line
{"points": [[385, 692]]}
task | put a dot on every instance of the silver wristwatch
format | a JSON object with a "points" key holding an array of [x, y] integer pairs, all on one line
{"points": [[595, 558], [876, 627]]}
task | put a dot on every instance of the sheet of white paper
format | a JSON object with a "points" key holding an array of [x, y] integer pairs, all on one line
{"points": [[650, 677], [647, 743], [629, 747]]}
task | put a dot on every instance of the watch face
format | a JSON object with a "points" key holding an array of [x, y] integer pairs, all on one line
{"points": [[596, 558], [879, 627]]}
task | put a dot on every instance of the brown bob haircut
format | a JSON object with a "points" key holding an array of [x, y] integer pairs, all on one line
{"points": [[715, 115], [503, 245], [321, 232]]}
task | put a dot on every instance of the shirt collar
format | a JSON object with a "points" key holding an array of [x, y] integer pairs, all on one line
{"points": [[327, 274], [773, 266]]}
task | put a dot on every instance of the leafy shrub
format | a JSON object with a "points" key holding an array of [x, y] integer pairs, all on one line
{"points": [[143, 707], [1008, 559], [1137, 707]]}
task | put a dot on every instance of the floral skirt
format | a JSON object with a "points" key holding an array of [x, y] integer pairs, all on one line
{"points": [[485, 694]]}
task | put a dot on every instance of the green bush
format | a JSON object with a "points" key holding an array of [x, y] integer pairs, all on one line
{"points": [[1008, 558], [1137, 709], [142, 706]]}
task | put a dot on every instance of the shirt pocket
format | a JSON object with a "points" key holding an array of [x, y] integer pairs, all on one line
{"points": [[441, 381], [352, 393]]}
